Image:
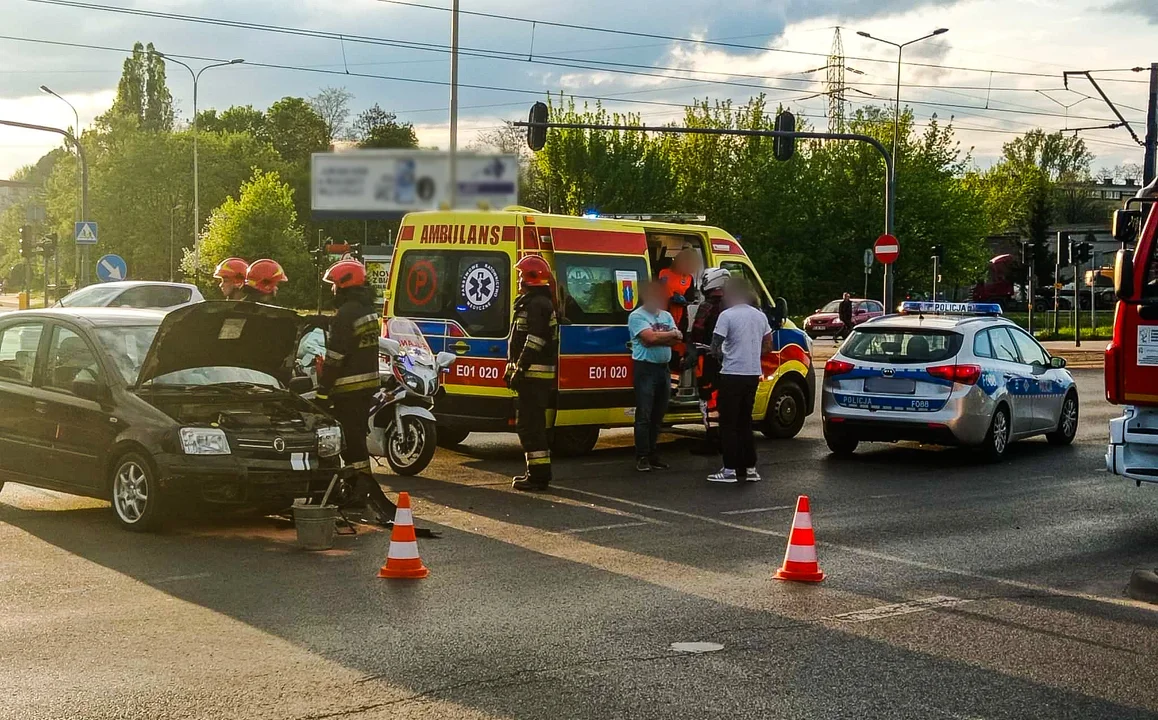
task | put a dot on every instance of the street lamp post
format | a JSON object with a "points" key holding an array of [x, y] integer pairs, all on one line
{"points": [[897, 124], [172, 217], [76, 131], [196, 75]]}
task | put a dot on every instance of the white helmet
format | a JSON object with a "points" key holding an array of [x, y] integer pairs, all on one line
{"points": [[714, 279]]}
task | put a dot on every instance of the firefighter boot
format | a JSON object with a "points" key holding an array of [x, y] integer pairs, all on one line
{"points": [[537, 478]]}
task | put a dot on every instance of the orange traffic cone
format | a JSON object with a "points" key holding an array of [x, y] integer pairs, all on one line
{"points": [[800, 562], [402, 559]]}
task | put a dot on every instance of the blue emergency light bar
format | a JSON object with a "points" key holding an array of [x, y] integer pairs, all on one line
{"points": [[913, 307]]}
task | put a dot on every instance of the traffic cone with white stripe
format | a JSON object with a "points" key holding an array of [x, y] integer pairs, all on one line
{"points": [[402, 559], [800, 563]]}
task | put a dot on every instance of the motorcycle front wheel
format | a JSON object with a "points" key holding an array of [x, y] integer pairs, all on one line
{"points": [[410, 451]]}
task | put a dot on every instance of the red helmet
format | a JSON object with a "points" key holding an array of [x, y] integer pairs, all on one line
{"points": [[264, 276], [232, 269], [346, 274], [534, 272]]}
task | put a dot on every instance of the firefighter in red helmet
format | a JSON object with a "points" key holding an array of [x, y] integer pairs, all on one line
{"points": [[262, 279], [532, 353], [230, 273]]}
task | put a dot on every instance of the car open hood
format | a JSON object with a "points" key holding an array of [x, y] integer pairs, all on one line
{"points": [[223, 334]]}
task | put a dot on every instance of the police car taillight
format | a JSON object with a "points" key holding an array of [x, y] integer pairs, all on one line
{"points": [[838, 367], [964, 374]]}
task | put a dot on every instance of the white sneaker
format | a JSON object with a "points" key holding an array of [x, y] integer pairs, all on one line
{"points": [[723, 475], [752, 475]]}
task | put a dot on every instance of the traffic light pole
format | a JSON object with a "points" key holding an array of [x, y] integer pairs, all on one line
{"points": [[1077, 306], [890, 181]]}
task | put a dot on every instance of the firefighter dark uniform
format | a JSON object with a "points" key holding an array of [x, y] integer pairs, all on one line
{"points": [[532, 354], [349, 376]]}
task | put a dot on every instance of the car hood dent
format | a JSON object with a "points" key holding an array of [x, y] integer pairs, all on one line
{"points": [[223, 334]]}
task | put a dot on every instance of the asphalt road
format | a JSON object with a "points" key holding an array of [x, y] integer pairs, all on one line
{"points": [[955, 590]]}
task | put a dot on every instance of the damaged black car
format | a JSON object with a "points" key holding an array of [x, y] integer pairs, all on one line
{"points": [[161, 413]]}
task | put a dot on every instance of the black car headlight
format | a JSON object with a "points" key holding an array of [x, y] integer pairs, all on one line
{"points": [[204, 441], [329, 441]]}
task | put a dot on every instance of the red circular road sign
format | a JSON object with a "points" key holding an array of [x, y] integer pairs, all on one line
{"points": [[886, 248]]}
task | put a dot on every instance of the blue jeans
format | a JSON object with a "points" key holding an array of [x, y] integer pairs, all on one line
{"points": [[652, 392]]}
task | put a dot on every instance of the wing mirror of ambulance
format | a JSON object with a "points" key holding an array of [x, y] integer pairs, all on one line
{"points": [[1124, 275], [389, 346]]}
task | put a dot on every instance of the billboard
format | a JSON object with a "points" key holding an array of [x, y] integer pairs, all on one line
{"points": [[382, 184]]}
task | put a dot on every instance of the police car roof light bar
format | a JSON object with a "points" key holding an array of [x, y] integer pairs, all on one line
{"points": [[912, 307]]}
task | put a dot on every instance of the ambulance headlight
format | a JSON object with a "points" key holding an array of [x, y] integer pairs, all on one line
{"points": [[329, 441]]}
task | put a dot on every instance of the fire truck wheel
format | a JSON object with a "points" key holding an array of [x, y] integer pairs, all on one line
{"points": [[574, 441]]}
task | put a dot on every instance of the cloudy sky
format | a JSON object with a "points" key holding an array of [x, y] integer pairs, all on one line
{"points": [[997, 72]]}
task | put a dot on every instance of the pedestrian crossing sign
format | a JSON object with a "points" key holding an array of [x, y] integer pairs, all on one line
{"points": [[627, 288], [86, 233]]}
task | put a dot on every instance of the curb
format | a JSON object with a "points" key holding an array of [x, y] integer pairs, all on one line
{"points": [[1143, 586]]}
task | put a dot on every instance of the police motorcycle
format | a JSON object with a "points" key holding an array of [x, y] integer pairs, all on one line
{"points": [[401, 424]]}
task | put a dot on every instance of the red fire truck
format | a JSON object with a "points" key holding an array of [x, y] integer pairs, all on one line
{"points": [[1132, 355]]}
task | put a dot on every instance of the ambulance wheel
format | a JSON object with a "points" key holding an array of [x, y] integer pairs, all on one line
{"points": [[998, 438], [786, 412], [574, 441], [839, 443], [450, 437]]}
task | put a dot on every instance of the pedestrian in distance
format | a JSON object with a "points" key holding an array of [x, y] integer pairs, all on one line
{"points": [[653, 334], [262, 279], [230, 274], [742, 335], [532, 353], [845, 314]]}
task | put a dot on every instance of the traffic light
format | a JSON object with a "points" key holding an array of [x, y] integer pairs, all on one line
{"points": [[1082, 253], [939, 252], [537, 136], [784, 147], [1063, 248], [25, 242]]}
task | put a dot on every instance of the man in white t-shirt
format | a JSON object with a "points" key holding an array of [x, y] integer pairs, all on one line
{"points": [[741, 337]]}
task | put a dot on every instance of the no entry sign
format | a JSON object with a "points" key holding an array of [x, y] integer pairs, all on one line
{"points": [[886, 248]]}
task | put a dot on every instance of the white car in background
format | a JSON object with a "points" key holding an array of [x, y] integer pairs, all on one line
{"points": [[133, 294]]}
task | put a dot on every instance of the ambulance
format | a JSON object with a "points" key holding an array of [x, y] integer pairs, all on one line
{"points": [[453, 274]]}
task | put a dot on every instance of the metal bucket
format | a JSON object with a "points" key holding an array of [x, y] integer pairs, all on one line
{"points": [[315, 525]]}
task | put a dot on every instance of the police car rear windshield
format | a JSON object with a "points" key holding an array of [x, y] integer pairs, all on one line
{"points": [[902, 345]]}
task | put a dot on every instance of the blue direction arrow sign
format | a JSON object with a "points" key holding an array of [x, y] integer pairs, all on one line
{"points": [[86, 233], [111, 267]]}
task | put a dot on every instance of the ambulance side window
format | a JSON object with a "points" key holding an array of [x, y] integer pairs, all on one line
{"points": [[739, 269], [599, 289], [471, 288]]}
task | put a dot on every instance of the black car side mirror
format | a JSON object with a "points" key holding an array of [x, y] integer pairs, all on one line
{"points": [[88, 390], [300, 385]]}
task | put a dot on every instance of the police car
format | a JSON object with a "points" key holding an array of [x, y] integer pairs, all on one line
{"points": [[946, 374]]}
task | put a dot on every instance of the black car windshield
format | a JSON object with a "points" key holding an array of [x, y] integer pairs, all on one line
{"points": [[127, 347], [91, 296], [895, 345]]}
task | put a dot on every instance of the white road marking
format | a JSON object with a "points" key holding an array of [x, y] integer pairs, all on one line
{"points": [[1031, 587], [756, 510], [594, 528], [903, 608]]}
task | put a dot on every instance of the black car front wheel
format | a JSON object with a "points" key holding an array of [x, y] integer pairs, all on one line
{"points": [[136, 495]]}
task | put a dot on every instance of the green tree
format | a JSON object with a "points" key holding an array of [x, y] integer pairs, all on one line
{"points": [[1059, 156], [236, 119], [376, 128], [296, 130], [262, 222], [142, 93]]}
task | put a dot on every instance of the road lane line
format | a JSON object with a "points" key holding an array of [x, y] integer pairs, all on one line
{"points": [[756, 510], [594, 528], [1031, 587], [903, 608]]}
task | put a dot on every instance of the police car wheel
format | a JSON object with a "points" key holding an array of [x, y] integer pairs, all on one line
{"points": [[839, 442], [786, 411], [1067, 424], [997, 439]]}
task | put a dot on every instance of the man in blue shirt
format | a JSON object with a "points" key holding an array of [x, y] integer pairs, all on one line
{"points": [[653, 333]]}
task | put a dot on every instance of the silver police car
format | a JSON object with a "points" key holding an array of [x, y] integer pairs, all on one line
{"points": [[946, 374]]}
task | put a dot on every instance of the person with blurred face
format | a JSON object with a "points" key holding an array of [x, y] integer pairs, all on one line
{"points": [[230, 274], [653, 333]]}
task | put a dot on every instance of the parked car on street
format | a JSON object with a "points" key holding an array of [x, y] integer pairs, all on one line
{"points": [[133, 294], [826, 320], [157, 411]]}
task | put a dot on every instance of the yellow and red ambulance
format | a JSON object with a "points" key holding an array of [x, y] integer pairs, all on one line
{"points": [[453, 274]]}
